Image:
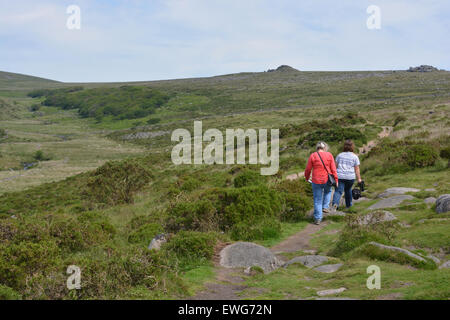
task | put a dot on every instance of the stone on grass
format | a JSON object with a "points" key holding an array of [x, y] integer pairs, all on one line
{"points": [[330, 291], [390, 202], [430, 200], [247, 254], [391, 248], [445, 265], [376, 217], [329, 268], [395, 191], [332, 213], [443, 203], [430, 189], [310, 261], [157, 241]]}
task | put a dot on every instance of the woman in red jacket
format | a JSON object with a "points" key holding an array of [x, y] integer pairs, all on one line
{"points": [[321, 190]]}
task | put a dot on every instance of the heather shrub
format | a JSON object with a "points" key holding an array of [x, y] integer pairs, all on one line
{"points": [[198, 215], [192, 245], [116, 182], [248, 178]]}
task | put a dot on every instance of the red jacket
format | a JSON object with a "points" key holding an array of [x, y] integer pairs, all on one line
{"points": [[319, 175]]}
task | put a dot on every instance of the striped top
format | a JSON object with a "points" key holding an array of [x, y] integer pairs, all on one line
{"points": [[346, 163]]}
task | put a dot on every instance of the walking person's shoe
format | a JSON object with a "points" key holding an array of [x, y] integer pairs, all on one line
{"points": [[317, 222], [326, 210]]}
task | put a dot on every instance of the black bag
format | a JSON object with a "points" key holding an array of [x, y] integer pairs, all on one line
{"points": [[331, 180]]}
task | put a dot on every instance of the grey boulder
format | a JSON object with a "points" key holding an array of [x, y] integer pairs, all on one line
{"points": [[247, 254], [390, 202], [430, 200], [309, 261], [158, 241], [330, 292], [329, 268], [395, 191], [445, 265], [443, 203]]}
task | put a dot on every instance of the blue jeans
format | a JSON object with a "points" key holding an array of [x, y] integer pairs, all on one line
{"points": [[322, 197], [344, 186]]}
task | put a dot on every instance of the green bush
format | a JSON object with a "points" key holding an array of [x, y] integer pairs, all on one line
{"points": [[354, 234], [445, 154], [252, 213], [77, 234], [420, 156], [7, 293], [190, 184], [333, 134], [153, 121], [395, 157], [248, 178], [145, 233], [116, 182], [35, 107], [199, 215], [2, 133], [192, 245], [19, 262], [39, 156], [297, 196], [398, 119], [126, 102]]}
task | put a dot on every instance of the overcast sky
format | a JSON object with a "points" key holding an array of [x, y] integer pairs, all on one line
{"points": [[126, 40]]}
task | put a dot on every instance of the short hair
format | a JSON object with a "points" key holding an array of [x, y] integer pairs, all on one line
{"points": [[321, 145], [349, 146]]}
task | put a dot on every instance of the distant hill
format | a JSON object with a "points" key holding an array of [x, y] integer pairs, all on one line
{"points": [[15, 81]]}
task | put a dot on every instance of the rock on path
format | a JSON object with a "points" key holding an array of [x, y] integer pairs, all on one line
{"points": [[309, 261], [390, 202], [247, 254], [329, 268], [395, 191]]}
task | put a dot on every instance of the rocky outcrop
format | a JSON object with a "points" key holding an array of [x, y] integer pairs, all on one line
{"points": [[247, 254], [423, 68], [282, 68]]}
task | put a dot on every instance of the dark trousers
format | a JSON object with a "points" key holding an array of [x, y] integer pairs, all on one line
{"points": [[345, 186]]}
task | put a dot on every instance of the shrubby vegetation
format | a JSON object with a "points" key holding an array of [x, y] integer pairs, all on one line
{"points": [[355, 235], [126, 102], [399, 156], [116, 182]]}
